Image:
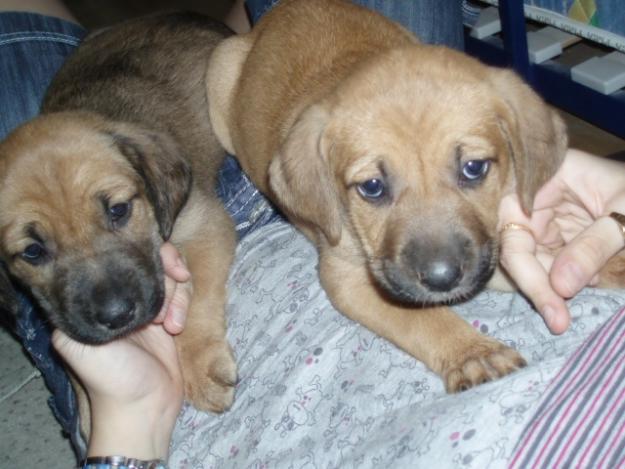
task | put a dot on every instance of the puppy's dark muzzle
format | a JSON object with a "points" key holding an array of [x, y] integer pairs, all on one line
{"points": [[110, 295], [437, 271], [437, 265]]}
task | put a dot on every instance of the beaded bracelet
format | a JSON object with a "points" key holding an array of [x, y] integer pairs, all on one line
{"points": [[121, 462]]}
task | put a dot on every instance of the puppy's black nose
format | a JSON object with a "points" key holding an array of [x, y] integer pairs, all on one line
{"points": [[441, 275], [116, 312]]}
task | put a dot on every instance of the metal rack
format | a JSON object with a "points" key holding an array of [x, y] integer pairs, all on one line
{"points": [[549, 79]]}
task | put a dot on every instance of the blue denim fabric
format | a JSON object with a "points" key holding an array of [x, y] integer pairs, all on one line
{"points": [[433, 21], [248, 208], [257, 8], [32, 48]]}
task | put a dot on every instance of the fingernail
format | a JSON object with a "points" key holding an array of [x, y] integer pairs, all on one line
{"points": [[595, 281], [182, 267], [548, 314], [557, 323], [177, 317]]}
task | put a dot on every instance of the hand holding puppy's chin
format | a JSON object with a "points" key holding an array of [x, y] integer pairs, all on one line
{"points": [[135, 390]]}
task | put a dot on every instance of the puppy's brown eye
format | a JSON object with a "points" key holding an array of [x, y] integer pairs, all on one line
{"points": [[34, 254], [372, 189], [119, 213], [475, 170]]}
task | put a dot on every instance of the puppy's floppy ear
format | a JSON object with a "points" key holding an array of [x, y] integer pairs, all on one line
{"points": [[301, 178], [159, 162], [536, 134]]}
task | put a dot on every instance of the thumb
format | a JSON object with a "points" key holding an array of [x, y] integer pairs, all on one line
{"points": [[581, 259]]}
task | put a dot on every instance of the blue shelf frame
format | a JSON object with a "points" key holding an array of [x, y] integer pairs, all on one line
{"points": [[549, 79]]}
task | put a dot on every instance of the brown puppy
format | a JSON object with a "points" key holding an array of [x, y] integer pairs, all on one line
{"points": [[392, 157], [122, 158]]}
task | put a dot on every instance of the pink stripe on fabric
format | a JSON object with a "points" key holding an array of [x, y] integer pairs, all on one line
{"points": [[608, 418], [606, 386], [573, 397], [563, 371], [618, 437], [600, 336]]}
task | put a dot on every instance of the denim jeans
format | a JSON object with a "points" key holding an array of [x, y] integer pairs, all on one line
{"points": [[33, 47]]}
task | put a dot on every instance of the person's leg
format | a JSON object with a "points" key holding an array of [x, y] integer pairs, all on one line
{"points": [[433, 21], [248, 208], [32, 48]]}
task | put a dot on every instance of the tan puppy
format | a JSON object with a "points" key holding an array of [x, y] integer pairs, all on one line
{"points": [[122, 158], [392, 157]]}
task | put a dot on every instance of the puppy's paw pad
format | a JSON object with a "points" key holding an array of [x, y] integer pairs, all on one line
{"points": [[211, 378], [482, 362]]}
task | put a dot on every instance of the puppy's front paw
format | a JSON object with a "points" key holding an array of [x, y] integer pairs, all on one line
{"points": [[210, 377], [480, 361]]}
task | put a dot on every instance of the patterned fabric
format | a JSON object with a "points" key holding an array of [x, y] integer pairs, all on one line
{"points": [[317, 390], [581, 419]]}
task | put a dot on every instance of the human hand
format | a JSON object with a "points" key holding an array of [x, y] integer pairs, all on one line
{"points": [[178, 291], [570, 236], [135, 383]]}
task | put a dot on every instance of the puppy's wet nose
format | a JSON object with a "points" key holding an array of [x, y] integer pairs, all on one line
{"points": [[441, 275], [116, 313]]}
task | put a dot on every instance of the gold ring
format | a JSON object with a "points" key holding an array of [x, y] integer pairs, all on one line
{"points": [[619, 218], [517, 226]]}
